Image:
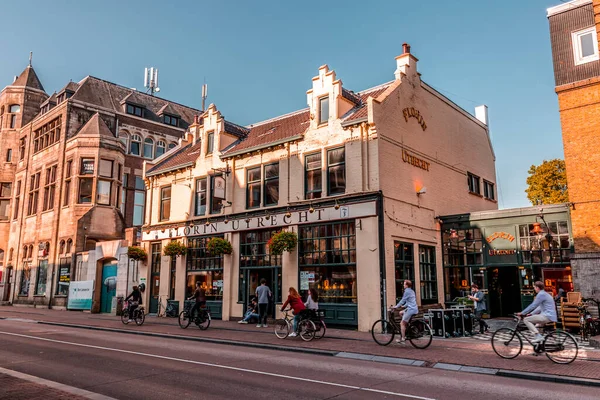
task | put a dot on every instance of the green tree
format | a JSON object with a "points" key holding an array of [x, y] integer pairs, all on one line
{"points": [[547, 183]]}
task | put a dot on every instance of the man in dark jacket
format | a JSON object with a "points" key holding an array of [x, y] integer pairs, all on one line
{"points": [[480, 307], [136, 300]]}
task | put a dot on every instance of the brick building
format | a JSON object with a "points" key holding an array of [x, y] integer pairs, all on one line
{"points": [[360, 177], [574, 36], [71, 181]]}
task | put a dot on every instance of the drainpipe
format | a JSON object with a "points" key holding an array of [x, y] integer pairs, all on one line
{"points": [[366, 128], [58, 213], [382, 265], [362, 158]]}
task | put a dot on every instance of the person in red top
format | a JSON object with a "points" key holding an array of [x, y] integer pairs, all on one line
{"points": [[297, 306]]}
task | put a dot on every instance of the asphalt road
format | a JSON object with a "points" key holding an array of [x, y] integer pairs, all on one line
{"points": [[130, 367]]}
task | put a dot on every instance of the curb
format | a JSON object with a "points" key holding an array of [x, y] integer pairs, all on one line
{"points": [[198, 339], [355, 356]]}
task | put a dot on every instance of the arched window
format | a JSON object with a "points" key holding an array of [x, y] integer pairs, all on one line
{"points": [[24, 252], [136, 144], [69, 245], [10, 254], [62, 247], [160, 148], [172, 145], [149, 148], [47, 249], [30, 251], [124, 138]]}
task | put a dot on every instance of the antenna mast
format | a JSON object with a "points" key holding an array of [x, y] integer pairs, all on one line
{"points": [[151, 80], [204, 95]]}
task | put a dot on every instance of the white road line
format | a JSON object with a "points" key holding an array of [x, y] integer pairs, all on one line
{"points": [[296, 378]]}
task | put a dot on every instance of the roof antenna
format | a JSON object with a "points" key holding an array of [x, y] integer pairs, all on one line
{"points": [[204, 94], [30, 57], [151, 80]]}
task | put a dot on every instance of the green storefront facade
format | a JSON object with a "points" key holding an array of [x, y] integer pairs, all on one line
{"points": [[504, 252]]}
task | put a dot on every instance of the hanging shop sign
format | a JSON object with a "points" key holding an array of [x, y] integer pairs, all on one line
{"points": [[415, 161], [282, 220], [411, 112]]}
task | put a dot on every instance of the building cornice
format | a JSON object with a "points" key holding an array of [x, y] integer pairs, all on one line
{"points": [[566, 7]]}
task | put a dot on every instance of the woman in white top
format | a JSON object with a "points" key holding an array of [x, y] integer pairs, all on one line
{"points": [[312, 302]]}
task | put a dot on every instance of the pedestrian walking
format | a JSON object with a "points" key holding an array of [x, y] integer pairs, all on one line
{"points": [[263, 294], [478, 298]]}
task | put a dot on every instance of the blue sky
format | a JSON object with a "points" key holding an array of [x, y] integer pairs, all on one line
{"points": [[258, 57]]}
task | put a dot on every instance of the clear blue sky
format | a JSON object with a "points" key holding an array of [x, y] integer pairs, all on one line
{"points": [[258, 57]]}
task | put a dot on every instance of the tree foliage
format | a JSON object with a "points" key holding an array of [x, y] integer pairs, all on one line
{"points": [[547, 183]]}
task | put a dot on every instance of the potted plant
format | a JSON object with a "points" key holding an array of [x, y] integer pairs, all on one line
{"points": [[175, 249], [217, 246], [282, 241], [136, 253]]}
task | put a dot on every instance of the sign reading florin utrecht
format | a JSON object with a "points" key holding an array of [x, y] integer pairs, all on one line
{"points": [[272, 221]]}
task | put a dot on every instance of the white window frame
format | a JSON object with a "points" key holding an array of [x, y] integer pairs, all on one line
{"points": [[577, 51]]}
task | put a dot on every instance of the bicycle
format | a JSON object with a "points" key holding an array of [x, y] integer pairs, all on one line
{"points": [[169, 309], [559, 346], [418, 332], [306, 328], [139, 315], [201, 319], [589, 326], [317, 316]]}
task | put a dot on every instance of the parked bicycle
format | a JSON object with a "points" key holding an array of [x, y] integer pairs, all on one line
{"points": [[201, 318], [589, 326], [166, 309], [138, 316], [559, 346], [418, 332], [306, 329]]}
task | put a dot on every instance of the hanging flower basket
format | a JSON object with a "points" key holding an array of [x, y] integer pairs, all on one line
{"points": [[282, 241], [219, 246], [136, 253], [175, 249]]}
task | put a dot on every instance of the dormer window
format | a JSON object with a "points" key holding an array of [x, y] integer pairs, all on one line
{"points": [[323, 110], [170, 120], [135, 110]]}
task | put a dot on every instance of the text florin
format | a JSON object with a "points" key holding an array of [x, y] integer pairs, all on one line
{"points": [[411, 112]]}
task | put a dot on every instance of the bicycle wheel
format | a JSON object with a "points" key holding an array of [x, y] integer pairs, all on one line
{"points": [[561, 347], [125, 316], [420, 334], [203, 320], [282, 328], [184, 321], [321, 329], [140, 317], [507, 343], [383, 332], [306, 330]]}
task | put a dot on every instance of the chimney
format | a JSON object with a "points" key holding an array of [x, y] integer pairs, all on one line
{"points": [[481, 113], [406, 63]]}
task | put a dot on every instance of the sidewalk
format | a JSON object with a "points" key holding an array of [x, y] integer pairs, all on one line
{"points": [[469, 352]]}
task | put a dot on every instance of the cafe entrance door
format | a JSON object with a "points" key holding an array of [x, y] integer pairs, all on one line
{"points": [[504, 291], [253, 276]]}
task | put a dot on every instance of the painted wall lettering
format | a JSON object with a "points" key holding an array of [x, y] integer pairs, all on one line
{"points": [[411, 112], [415, 161]]}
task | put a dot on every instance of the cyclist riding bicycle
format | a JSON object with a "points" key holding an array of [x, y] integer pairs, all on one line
{"points": [[542, 310], [410, 301], [136, 300], [200, 297]]}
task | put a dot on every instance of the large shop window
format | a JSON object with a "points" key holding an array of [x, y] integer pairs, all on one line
{"points": [[255, 256], [253, 187], [217, 193], [404, 265], [200, 200], [165, 203], [336, 171], [428, 275], [204, 268], [312, 176], [271, 185], [63, 277], [25, 279], [327, 258], [465, 249], [42, 277], [551, 245]]}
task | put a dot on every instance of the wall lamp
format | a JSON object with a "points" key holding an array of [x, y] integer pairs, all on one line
{"points": [[421, 191]]}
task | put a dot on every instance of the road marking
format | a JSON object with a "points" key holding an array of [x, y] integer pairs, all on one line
{"points": [[296, 378], [55, 385]]}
